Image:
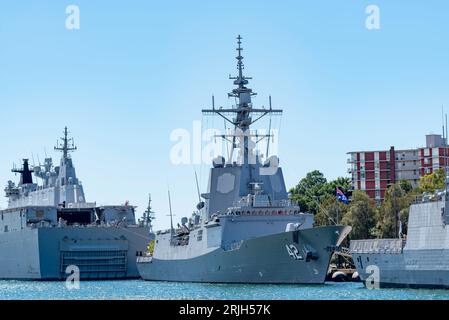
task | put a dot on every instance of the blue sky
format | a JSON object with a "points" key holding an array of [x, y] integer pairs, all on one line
{"points": [[137, 70]]}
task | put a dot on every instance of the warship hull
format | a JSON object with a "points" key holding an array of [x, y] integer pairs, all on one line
{"points": [[264, 259], [409, 269], [46, 253], [419, 261]]}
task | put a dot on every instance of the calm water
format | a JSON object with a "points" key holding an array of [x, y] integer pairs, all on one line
{"points": [[137, 289]]}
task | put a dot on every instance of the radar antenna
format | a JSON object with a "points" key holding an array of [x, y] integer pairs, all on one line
{"points": [[67, 145], [240, 115]]}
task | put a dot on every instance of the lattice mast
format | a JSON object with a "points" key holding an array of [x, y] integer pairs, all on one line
{"points": [[240, 116], [67, 145]]}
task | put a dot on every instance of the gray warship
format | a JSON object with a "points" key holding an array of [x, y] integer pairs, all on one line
{"points": [[245, 229], [48, 228], [418, 260]]}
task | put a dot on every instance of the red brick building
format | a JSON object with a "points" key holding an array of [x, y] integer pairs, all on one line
{"points": [[433, 156], [374, 171]]}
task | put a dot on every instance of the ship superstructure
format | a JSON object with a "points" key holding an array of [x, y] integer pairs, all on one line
{"points": [[60, 186], [245, 228], [50, 226], [419, 259]]}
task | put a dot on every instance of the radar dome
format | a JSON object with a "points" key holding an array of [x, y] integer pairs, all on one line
{"points": [[218, 162]]}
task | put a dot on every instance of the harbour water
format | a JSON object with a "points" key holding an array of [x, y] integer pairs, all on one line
{"points": [[142, 290]]}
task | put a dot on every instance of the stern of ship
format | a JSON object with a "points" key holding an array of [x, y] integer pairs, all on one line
{"points": [[98, 253]]}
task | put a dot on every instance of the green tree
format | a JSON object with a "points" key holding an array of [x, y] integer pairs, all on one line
{"points": [[330, 211], [344, 184], [312, 189], [309, 190], [150, 247], [431, 182], [406, 186], [393, 211], [361, 216]]}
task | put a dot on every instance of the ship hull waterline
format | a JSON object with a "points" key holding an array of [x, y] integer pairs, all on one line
{"points": [[400, 270], [264, 260]]}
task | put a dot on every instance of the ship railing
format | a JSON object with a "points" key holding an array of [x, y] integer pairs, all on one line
{"points": [[431, 197], [377, 246], [265, 203], [262, 211], [33, 224], [144, 259], [233, 246]]}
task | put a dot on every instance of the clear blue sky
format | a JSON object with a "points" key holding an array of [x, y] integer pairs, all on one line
{"points": [[136, 70]]}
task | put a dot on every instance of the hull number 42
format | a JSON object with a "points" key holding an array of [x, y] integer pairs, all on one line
{"points": [[294, 252]]}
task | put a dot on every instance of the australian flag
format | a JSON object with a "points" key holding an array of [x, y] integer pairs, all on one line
{"points": [[341, 196]]}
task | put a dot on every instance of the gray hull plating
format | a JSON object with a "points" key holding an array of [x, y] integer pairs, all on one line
{"points": [[420, 261], [98, 252], [411, 269], [258, 260]]}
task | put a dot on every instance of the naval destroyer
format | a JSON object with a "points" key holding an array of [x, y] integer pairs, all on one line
{"points": [[418, 260], [245, 229], [49, 227]]}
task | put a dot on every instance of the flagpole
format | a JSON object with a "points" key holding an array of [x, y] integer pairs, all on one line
{"points": [[338, 208]]}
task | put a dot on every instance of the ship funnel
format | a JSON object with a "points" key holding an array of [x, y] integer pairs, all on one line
{"points": [[26, 176]]}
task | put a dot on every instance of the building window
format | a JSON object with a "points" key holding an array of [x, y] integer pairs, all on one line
{"points": [[377, 194], [435, 152], [426, 152], [436, 161]]}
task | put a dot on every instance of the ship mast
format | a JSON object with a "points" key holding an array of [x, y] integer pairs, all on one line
{"points": [[149, 216], [172, 230], [67, 145], [240, 116]]}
